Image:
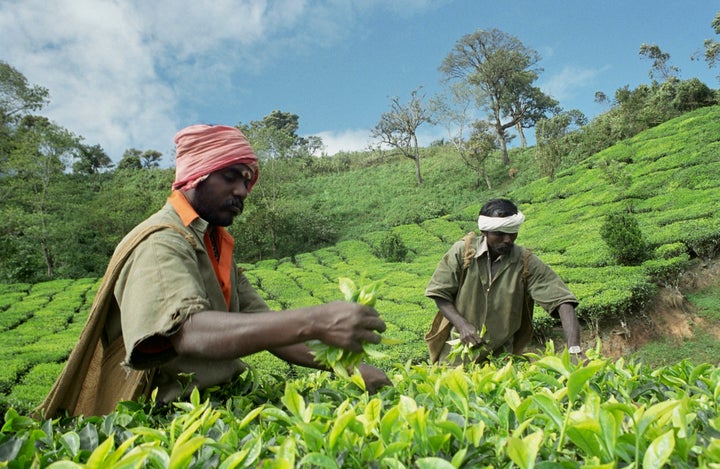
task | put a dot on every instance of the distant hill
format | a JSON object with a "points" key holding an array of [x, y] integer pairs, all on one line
{"points": [[668, 177]]}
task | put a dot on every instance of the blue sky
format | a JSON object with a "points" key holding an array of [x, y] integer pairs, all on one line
{"points": [[131, 73]]}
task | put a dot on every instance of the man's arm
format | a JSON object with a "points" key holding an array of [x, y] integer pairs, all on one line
{"points": [[570, 324], [221, 335]]}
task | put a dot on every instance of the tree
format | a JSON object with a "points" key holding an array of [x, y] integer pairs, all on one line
{"points": [[528, 108], [36, 163], [17, 97], [660, 67], [398, 128], [276, 137], [151, 158], [283, 154], [502, 68], [712, 47], [130, 160], [91, 159], [137, 159], [550, 135], [478, 149]]}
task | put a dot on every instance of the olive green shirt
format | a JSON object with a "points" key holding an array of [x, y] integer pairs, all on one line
{"points": [[496, 302], [167, 278]]}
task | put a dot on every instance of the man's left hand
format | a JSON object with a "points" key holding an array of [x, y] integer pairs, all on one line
{"points": [[374, 378]]}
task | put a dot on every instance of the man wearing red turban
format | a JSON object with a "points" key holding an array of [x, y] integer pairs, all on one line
{"points": [[174, 312]]}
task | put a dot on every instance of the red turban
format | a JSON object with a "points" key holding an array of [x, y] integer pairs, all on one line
{"points": [[203, 149]]}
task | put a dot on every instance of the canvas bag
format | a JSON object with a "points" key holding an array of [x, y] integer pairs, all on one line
{"points": [[439, 332], [440, 328], [93, 380]]}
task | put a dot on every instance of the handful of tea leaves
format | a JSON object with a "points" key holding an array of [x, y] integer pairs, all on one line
{"points": [[344, 362], [466, 353]]}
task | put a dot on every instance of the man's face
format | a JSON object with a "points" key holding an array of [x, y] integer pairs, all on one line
{"points": [[220, 198], [499, 243]]}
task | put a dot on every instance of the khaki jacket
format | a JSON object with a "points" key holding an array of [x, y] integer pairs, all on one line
{"points": [[161, 274], [167, 278], [497, 303]]}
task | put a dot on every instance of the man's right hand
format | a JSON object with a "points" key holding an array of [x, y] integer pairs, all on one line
{"points": [[349, 325], [469, 334]]}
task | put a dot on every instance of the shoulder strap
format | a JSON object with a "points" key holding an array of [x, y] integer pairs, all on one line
{"points": [[467, 256], [469, 250], [526, 264]]}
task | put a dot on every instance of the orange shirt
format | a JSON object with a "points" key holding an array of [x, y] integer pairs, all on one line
{"points": [[224, 242]]}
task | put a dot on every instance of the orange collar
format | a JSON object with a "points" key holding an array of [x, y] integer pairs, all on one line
{"points": [[224, 239], [181, 205]]}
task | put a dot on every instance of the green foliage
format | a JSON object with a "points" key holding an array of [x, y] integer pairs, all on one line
{"points": [[345, 362], [621, 232], [500, 414], [391, 248]]}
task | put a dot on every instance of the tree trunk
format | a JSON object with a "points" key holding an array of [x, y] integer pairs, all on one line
{"points": [[500, 131], [523, 140], [418, 176], [45, 248], [416, 157], [503, 146], [48, 260], [486, 177]]}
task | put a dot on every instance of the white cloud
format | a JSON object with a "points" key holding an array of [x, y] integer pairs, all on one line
{"points": [[346, 140], [101, 76], [568, 82], [128, 74], [361, 139]]}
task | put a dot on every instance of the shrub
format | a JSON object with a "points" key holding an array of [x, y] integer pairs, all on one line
{"points": [[391, 248], [624, 239]]}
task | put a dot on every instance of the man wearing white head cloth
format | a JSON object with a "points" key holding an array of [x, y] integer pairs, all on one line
{"points": [[490, 281], [174, 313]]}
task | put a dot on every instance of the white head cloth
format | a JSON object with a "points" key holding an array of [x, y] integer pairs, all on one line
{"points": [[509, 224]]}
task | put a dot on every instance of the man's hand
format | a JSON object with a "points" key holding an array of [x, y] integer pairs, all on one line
{"points": [[469, 334], [348, 325], [374, 378]]}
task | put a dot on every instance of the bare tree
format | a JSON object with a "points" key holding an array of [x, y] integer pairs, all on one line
{"points": [[712, 47], [398, 128]]}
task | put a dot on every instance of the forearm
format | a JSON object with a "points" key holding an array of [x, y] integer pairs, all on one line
{"points": [[570, 324], [297, 354], [468, 332], [221, 335], [448, 309]]}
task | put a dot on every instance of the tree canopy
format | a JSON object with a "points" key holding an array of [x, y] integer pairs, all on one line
{"points": [[503, 70]]}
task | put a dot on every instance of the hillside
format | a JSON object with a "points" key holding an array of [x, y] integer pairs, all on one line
{"points": [[668, 176]]}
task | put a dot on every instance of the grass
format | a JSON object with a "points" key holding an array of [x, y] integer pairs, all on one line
{"points": [[703, 347], [707, 303], [704, 344]]}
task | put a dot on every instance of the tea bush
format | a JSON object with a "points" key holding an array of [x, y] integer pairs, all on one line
{"points": [[621, 232], [391, 248]]}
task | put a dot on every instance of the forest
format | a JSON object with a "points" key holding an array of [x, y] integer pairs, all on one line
{"points": [[649, 166]]}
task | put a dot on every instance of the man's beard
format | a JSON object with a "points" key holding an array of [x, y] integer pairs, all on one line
{"points": [[222, 216]]}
